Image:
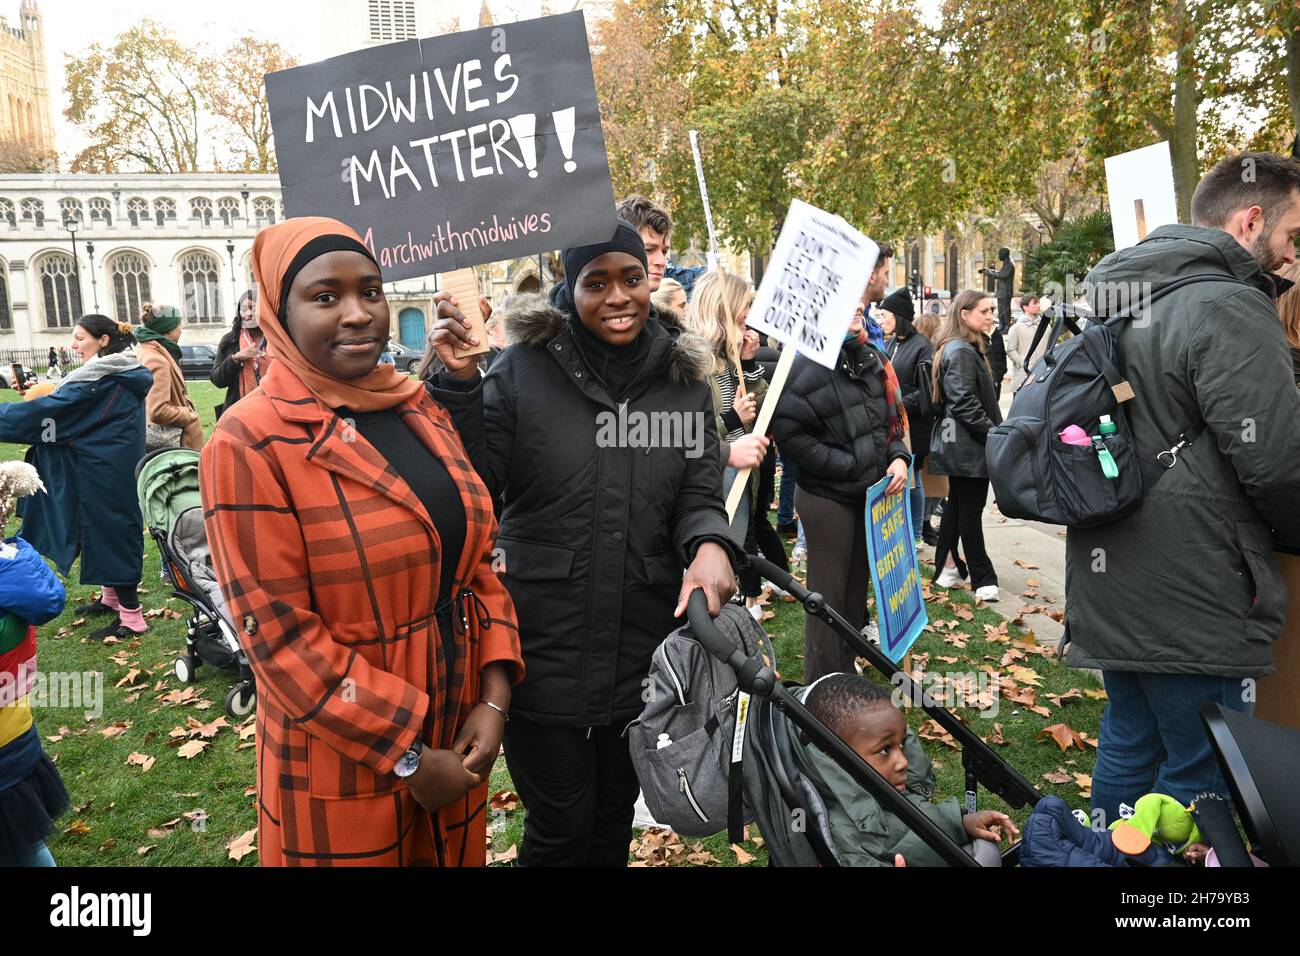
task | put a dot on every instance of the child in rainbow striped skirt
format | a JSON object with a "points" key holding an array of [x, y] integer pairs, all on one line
{"points": [[31, 791]]}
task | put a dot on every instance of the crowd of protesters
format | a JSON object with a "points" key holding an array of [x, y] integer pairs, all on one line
{"points": [[480, 572]]}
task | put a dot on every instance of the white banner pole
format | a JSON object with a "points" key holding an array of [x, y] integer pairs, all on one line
{"points": [[704, 196]]}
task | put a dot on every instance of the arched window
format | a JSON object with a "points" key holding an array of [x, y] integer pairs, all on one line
{"points": [[137, 210], [7, 213], [228, 209], [33, 211], [164, 210], [101, 210], [131, 287], [201, 209], [70, 208], [6, 313], [200, 287], [59, 292], [264, 211], [914, 261]]}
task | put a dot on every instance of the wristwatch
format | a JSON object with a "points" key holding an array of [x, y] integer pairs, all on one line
{"points": [[408, 762]]}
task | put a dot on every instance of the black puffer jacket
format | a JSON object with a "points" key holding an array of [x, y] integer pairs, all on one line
{"points": [[834, 424], [969, 410], [906, 354], [594, 533]]}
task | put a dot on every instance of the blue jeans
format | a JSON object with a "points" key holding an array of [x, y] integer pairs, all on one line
{"points": [[39, 855], [1152, 739], [785, 495]]}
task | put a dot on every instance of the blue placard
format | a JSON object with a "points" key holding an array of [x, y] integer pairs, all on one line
{"points": [[895, 573]]}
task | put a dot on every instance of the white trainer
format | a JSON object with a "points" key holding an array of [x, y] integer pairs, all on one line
{"points": [[988, 594], [949, 578]]}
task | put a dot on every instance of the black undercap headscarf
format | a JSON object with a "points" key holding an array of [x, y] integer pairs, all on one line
{"points": [[314, 250], [615, 365]]}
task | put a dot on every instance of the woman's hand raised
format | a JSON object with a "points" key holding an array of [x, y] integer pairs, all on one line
{"points": [[451, 330]]}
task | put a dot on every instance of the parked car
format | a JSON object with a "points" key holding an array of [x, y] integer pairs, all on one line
{"points": [[197, 361], [7, 375], [406, 359]]}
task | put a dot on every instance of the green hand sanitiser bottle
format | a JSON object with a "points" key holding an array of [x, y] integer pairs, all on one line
{"points": [[1108, 466]]}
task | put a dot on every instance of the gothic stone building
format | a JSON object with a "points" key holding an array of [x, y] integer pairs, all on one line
{"points": [[183, 240]]}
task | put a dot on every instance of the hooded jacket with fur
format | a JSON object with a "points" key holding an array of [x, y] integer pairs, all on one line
{"points": [[603, 504]]}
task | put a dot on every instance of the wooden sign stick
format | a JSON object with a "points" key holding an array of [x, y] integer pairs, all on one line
{"points": [[762, 422]]}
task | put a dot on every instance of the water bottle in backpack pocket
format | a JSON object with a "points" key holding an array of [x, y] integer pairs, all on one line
{"points": [[1038, 476]]}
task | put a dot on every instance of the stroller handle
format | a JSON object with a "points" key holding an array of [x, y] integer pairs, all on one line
{"points": [[978, 757], [752, 675]]}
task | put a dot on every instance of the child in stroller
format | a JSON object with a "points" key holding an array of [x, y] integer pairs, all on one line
{"points": [[865, 833], [167, 484]]}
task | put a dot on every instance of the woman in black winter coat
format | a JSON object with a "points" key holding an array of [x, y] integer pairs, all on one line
{"points": [[602, 510], [912, 357], [844, 429], [241, 354], [967, 408]]}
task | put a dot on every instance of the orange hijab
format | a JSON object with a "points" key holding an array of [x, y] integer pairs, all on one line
{"points": [[274, 250]]}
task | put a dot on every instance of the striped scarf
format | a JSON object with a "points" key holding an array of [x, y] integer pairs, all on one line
{"points": [[895, 413]]}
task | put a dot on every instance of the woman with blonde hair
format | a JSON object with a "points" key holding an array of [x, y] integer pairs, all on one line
{"points": [[1288, 307], [966, 408], [670, 299], [718, 313]]}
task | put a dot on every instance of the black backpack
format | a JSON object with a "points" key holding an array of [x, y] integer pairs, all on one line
{"points": [[1037, 476]]}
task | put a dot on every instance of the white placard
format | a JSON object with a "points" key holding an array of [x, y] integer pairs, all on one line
{"points": [[1140, 185], [819, 270]]}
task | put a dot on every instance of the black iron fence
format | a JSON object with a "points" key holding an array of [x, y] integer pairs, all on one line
{"points": [[38, 360]]}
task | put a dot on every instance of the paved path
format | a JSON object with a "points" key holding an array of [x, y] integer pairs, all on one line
{"points": [[1031, 543]]}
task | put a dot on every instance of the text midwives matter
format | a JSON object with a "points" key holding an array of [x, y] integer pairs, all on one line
{"points": [[445, 96]]}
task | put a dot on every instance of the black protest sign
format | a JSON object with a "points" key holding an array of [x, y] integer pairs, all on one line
{"points": [[452, 151]]}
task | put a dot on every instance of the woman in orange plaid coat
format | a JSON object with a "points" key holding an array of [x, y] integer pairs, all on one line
{"points": [[353, 542]]}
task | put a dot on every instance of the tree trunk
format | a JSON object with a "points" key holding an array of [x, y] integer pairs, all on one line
{"points": [[1293, 75], [1183, 139]]}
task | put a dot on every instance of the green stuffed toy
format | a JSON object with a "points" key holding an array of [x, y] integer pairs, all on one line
{"points": [[1156, 817]]}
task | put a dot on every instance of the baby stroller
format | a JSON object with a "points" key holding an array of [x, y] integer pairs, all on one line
{"points": [[167, 484], [1258, 760], [762, 738]]}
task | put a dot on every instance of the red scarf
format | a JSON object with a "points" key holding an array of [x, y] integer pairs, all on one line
{"points": [[250, 376]]}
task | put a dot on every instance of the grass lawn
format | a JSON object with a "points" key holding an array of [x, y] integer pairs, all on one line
{"points": [[137, 800]]}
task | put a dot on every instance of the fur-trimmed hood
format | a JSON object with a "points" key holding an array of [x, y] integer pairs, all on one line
{"points": [[534, 321]]}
